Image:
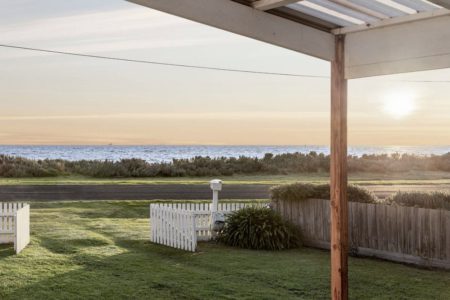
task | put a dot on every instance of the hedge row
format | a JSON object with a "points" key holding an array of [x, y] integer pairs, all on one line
{"points": [[303, 191], [433, 200], [289, 163]]}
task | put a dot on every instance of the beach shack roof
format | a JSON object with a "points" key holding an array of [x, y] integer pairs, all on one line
{"points": [[360, 38]]}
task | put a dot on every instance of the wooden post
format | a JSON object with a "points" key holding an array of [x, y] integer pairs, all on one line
{"points": [[338, 174]]}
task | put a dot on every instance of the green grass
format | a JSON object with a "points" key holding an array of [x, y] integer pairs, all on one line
{"points": [[412, 178], [100, 250]]}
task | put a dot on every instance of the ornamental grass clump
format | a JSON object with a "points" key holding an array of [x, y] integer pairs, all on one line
{"points": [[259, 229]]}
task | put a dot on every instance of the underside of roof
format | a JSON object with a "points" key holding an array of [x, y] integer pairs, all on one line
{"points": [[381, 36], [341, 16]]}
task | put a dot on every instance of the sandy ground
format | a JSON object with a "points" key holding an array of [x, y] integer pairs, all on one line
{"points": [[166, 191]]}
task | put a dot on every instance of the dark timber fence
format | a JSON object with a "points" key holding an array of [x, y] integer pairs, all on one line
{"points": [[404, 234]]}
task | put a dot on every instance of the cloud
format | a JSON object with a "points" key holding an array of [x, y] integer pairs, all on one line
{"points": [[106, 31], [180, 116]]}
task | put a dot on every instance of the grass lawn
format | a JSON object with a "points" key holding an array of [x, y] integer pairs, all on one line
{"points": [[412, 178], [101, 250]]}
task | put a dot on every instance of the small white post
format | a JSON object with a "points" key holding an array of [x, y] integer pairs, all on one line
{"points": [[216, 186]]}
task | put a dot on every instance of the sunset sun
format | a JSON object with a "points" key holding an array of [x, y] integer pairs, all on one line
{"points": [[399, 104]]}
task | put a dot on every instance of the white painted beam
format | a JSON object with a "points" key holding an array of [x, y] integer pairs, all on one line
{"points": [[249, 22], [389, 22], [271, 4], [443, 3], [406, 47]]}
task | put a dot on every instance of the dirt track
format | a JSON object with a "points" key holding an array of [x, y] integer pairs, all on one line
{"points": [[164, 191]]}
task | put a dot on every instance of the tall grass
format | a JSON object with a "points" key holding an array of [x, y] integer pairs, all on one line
{"points": [[289, 163]]}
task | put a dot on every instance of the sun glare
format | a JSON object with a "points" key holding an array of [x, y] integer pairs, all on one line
{"points": [[399, 104]]}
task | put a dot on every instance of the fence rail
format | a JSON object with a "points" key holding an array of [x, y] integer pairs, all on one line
{"points": [[405, 234]]}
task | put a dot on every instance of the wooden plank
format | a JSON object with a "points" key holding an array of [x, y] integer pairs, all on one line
{"points": [[320, 220], [364, 225], [409, 243], [426, 232], [338, 174], [379, 216], [435, 222], [327, 228], [372, 226], [352, 225], [391, 231], [447, 234]]}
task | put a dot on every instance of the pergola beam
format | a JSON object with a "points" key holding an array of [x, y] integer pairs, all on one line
{"points": [[271, 4], [394, 21], [418, 45], [249, 22]]}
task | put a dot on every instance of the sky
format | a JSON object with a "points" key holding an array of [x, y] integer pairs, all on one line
{"points": [[55, 99]]}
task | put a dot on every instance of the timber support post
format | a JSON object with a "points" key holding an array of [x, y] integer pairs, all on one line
{"points": [[338, 174]]}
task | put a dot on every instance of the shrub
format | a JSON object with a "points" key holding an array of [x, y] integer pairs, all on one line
{"points": [[435, 200], [302, 191], [259, 229]]}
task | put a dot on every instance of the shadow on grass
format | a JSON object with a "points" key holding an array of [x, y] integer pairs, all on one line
{"points": [[70, 246], [6, 250], [148, 271]]}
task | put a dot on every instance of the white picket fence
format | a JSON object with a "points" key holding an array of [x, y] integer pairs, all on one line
{"points": [[173, 227], [15, 224], [181, 225]]}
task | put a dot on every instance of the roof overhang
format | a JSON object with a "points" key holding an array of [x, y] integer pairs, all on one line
{"points": [[410, 35]]}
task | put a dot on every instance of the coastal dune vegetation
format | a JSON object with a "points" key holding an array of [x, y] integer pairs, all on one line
{"points": [[282, 164]]}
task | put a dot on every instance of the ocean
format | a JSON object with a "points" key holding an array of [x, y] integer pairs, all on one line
{"points": [[162, 153]]}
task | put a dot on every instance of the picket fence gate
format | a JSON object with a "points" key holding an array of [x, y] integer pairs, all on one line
{"points": [[15, 224], [181, 225]]}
